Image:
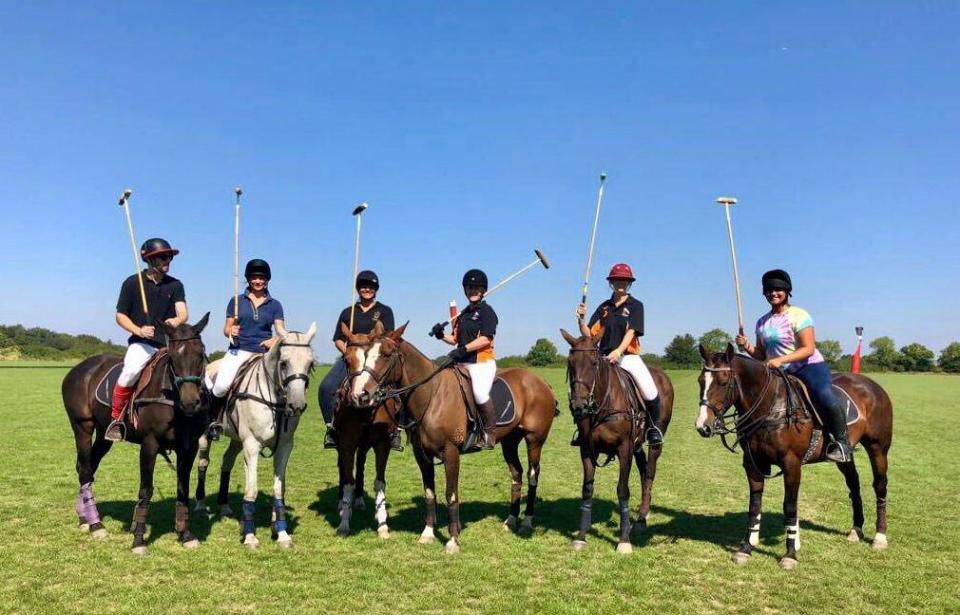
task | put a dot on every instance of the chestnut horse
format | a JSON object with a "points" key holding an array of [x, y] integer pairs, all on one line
{"points": [[170, 417], [609, 416], [390, 367], [771, 430]]}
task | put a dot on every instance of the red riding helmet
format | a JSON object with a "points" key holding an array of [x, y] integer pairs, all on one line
{"points": [[621, 271]]}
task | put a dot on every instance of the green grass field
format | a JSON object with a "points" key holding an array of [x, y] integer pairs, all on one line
{"points": [[682, 564]]}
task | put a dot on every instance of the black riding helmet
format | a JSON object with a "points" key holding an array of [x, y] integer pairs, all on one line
{"points": [[368, 278], [156, 246], [777, 279], [475, 277], [257, 266]]}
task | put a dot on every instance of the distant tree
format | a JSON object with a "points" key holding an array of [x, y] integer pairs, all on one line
{"points": [[542, 353], [831, 351], [215, 355], [715, 340], [950, 358], [916, 358], [682, 351], [885, 354]]}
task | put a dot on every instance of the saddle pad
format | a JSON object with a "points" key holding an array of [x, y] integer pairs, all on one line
{"points": [[104, 392], [853, 412], [502, 398]]}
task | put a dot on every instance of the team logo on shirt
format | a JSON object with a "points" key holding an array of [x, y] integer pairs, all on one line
{"points": [[625, 312], [476, 316], [376, 315]]}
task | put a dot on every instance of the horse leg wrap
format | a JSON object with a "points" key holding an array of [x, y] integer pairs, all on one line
{"points": [[380, 502], [201, 482], [87, 505], [625, 519], [140, 522], [224, 488], [455, 520], [515, 492], [180, 517], [247, 525], [431, 517], [793, 537], [586, 512], [279, 516]]}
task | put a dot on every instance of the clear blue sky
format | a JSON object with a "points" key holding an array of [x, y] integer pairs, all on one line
{"points": [[476, 131]]}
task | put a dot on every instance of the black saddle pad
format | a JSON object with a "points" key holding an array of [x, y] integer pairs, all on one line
{"points": [[853, 412], [104, 392], [502, 398]]}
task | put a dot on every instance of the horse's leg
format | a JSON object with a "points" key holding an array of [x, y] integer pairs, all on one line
{"points": [[362, 450], [226, 466], [428, 474], [248, 528], [88, 458], [648, 474], [203, 462], [381, 450], [346, 455], [510, 446], [755, 482], [586, 505], [791, 491], [279, 516], [534, 447], [186, 453], [625, 457], [878, 461], [451, 464], [148, 459], [850, 474]]}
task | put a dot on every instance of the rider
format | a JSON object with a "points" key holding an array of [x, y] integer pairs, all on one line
{"points": [[367, 312], [785, 338], [619, 320], [250, 333], [473, 333], [166, 301]]}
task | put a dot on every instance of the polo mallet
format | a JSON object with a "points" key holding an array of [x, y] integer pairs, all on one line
{"points": [[727, 201], [593, 239], [125, 203], [236, 259], [358, 214]]}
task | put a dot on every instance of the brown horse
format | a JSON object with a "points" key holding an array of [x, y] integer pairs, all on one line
{"points": [[169, 417], [772, 430], [610, 419], [438, 425]]}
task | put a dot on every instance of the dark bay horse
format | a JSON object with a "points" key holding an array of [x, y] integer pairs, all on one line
{"points": [[171, 419], [394, 368], [608, 412], [772, 431]]}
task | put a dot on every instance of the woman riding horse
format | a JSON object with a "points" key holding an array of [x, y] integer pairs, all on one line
{"points": [[786, 339]]}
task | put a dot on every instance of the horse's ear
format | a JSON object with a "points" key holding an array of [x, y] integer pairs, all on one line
{"points": [[311, 331], [201, 324], [160, 324], [704, 354], [397, 334], [346, 331], [570, 339], [377, 329], [730, 352]]}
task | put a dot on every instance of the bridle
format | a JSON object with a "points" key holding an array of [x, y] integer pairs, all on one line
{"points": [[378, 376], [591, 407], [178, 380]]}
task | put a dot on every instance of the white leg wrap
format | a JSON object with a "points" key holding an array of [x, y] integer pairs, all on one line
{"points": [[793, 531], [380, 502], [755, 534]]}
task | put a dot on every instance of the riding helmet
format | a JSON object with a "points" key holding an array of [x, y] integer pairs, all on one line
{"points": [[621, 271], [257, 266], [368, 278], [475, 277], [777, 279], [156, 246]]}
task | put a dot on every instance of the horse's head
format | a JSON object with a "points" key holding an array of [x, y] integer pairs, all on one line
{"points": [[187, 361], [373, 361], [717, 389], [583, 369], [290, 362]]}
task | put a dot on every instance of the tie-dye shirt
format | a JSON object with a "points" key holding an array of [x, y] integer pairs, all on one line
{"points": [[779, 335]]}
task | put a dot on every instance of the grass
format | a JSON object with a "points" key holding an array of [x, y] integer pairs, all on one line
{"points": [[681, 565]]}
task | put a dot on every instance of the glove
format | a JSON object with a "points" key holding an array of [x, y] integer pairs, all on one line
{"points": [[444, 362], [458, 354], [437, 330]]}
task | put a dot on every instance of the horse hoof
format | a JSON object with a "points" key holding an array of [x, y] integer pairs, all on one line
{"points": [[426, 537], [855, 535], [141, 550], [880, 542], [740, 558], [510, 524], [624, 548], [452, 547], [84, 527], [526, 526], [343, 531], [788, 563], [99, 534], [578, 545], [285, 544], [225, 512], [251, 542], [638, 528], [191, 544], [383, 532]]}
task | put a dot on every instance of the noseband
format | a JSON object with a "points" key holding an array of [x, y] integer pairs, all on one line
{"points": [[591, 406], [379, 395], [744, 424], [178, 380]]}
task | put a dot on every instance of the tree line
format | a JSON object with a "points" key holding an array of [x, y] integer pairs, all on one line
{"points": [[19, 342]]}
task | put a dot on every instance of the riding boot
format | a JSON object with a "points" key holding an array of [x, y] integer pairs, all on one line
{"points": [[489, 420], [215, 408], [116, 430], [839, 449], [654, 429], [395, 442], [580, 427], [330, 439]]}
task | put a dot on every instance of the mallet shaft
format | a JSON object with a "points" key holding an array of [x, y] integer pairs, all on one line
{"points": [[358, 214], [736, 273], [593, 239], [124, 202]]}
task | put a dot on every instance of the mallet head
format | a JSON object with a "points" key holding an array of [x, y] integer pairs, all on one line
{"points": [[543, 259], [360, 209], [726, 200], [238, 191], [603, 176], [859, 331], [125, 197]]}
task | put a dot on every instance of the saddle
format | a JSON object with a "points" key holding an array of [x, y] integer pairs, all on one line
{"points": [[104, 390], [241, 375], [500, 395], [797, 389], [637, 408]]}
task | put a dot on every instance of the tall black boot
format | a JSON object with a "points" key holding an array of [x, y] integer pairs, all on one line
{"points": [[839, 450], [654, 429], [215, 407], [489, 420]]}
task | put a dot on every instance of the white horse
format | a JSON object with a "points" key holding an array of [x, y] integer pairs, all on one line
{"points": [[264, 413]]}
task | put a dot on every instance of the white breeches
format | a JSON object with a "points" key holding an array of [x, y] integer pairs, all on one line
{"points": [[227, 371], [137, 356], [482, 376], [638, 369]]}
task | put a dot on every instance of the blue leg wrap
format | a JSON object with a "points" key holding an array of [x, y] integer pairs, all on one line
{"points": [[280, 524], [249, 508]]}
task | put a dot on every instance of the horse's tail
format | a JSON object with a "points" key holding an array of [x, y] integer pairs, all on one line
{"points": [[166, 457]]}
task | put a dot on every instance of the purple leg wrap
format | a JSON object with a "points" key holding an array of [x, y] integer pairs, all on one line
{"points": [[87, 505]]}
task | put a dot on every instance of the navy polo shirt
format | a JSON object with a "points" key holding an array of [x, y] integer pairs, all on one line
{"points": [[476, 320], [256, 323], [161, 300], [364, 322], [614, 322]]}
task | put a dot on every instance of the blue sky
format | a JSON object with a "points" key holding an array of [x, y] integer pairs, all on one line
{"points": [[476, 131]]}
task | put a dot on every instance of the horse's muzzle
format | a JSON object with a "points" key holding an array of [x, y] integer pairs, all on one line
{"points": [[191, 408], [705, 430]]}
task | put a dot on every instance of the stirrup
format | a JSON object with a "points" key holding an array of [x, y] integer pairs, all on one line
{"points": [[214, 431], [330, 439], [654, 435], [486, 442], [839, 452], [395, 442], [116, 431]]}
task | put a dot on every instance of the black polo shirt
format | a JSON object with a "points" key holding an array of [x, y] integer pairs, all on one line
{"points": [[614, 322], [161, 300], [477, 319], [364, 322]]}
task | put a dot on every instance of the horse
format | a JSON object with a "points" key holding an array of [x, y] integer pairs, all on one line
{"points": [[359, 429], [167, 415], [438, 429], [263, 412], [608, 410], [771, 430]]}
